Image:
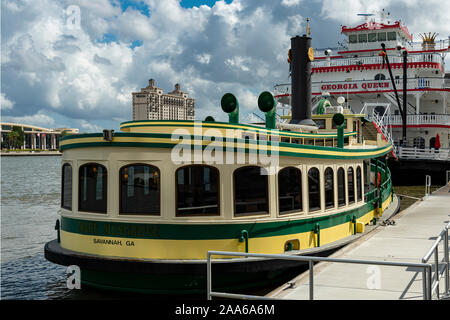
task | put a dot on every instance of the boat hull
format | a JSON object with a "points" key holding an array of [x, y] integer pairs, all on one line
{"points": [[177, 277]]}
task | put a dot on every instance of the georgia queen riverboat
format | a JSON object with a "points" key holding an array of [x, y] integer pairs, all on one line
{"points": [[358, 72], [140, 208]]}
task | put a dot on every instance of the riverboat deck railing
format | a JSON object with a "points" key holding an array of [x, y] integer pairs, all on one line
{"points": [[419, 119], [430, 282], [442, 44], [340, 62], [284, 90], [442, 154]]}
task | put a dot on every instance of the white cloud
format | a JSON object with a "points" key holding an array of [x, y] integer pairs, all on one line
{"points": [[5, 103], [241, 47], [290, 3], [40, 120]]}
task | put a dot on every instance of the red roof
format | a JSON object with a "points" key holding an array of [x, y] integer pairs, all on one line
{"points": [[377, 26]]}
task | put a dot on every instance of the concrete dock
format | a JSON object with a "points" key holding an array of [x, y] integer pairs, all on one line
{"points": [[408, 240]]}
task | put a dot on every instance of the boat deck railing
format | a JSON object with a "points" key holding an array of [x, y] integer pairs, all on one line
{"points": [[430, 282]]}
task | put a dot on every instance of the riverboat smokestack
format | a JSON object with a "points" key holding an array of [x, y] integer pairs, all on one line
{"points": [[301, 56]]}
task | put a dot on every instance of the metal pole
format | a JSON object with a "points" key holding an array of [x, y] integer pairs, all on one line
{"points": [[208, 276], [405, 77], [436, 262], [311, 280], [447, 274], [430, 294], [424, 283]]}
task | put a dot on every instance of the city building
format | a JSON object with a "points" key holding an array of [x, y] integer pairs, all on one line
{"points": [[35, 137], [152, 104]]}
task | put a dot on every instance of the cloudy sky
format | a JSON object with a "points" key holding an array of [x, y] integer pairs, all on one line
{"points": [[74, 63]]}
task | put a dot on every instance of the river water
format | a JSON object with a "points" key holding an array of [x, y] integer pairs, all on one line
{"points": [[30, 199]]}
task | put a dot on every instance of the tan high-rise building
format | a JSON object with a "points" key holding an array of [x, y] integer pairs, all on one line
{"points": [[152, 104]]}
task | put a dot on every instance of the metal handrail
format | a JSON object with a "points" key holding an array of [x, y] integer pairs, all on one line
{"points": [[426, 271], [443, 236]]}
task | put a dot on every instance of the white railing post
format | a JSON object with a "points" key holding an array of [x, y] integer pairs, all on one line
{"points": [[427, 185]]}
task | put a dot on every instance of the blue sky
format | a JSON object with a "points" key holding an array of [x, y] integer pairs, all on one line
{"points": [[75, 63]]}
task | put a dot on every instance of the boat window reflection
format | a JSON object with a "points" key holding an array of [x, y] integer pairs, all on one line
{"points": [[250, 191], [197, 190], [358, 183], [351, 186], [92, 188], [314, 189], [290, 190], [341, 187], [66, 183], [140, 189], [329, 188]]}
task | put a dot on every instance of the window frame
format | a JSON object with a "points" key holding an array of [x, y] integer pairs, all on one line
{"points": [[380, 36], [258, 213], [362, 36], [359, 187], [71, 186], [372, 35], [105, 188], [120, 213], [282, 213], [177, 214], [341, 169], [350, 168], [332, 189], [319, 191]]}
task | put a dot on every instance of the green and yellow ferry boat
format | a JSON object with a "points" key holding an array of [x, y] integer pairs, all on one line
{"points": [[140, 208]]}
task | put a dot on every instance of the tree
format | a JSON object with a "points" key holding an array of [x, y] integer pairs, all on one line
{"points": [[13, 139], [16, 137]]}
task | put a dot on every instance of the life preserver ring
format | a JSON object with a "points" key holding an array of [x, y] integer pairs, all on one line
{"points": [[289, 56], [378, 179]]}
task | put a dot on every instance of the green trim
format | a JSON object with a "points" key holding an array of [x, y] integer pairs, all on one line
{"points": [[343, 153], [208, 231], [226, 125], [346, 154]]}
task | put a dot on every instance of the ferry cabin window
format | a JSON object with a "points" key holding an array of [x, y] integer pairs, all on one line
{"points": [[314, 189], [351, 186], [358, 183], [362, 38], [66, 183], [290, 190], [353, 38], [392, 36], [320, 123], [329, 188], [197, 190], [372, 37], [92, 188], [139, 190], [250, 191], [382, 36], [341, 187]]}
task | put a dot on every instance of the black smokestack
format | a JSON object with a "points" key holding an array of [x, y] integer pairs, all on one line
{"points": [[301, 81]]}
